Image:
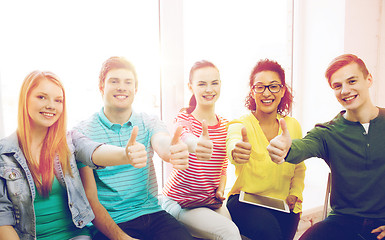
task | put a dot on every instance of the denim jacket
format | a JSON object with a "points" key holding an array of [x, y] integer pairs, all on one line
{"points": [[17, 190]]}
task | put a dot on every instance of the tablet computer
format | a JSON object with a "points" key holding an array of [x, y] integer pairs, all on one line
{"points": [[264, 201]]}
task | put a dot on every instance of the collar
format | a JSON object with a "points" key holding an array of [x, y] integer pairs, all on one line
{"points": [[110, 125]]}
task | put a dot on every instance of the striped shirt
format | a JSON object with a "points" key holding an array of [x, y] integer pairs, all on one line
{"points": [[196, 186], [126, 192]]}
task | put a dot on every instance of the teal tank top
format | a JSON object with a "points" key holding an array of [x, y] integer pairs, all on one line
{"points": [[53, 217]]}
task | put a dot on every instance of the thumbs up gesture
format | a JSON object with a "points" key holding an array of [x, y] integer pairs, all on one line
{"points": [[241, 152], [280, 145], [136, 152], [178, 150], [204, 148]]}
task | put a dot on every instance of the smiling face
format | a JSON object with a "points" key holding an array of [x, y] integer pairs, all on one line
{"points": [[206, 86], [119, 90], [45, 104], [351, 88], [266, 101]]}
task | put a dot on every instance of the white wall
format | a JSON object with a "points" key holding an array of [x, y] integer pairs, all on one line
{"points": [[1, 115], [365, 37]]}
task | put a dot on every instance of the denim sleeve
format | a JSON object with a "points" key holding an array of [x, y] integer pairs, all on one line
{"points": [[6, 209], [84, 148]]}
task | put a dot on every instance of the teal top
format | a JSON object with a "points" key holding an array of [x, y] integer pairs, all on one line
{"points": [[125, 191], [53, 218], [356, 159]]}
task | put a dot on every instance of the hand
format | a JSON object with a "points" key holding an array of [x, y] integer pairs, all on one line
{"points": [[204, 148], [179, 152], [291, 200], [381, 231], [219, 195], [136, 152], [280, 145], [241, 152]]}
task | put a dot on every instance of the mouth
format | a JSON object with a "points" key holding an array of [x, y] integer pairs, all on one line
{"points": [[209, 97], [349, 99], [47, 114], [120, 97], [267, 101]]}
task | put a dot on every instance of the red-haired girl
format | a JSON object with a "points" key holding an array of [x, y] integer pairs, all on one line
{"points": [[41, 193]]}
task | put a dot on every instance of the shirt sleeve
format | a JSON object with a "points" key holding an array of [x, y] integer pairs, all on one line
{"points": [[83, 149], [312, 145], [234, 135], [298, 181], [6, 206]]}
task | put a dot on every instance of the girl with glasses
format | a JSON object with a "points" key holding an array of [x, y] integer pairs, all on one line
{"points": [[269, 100]]}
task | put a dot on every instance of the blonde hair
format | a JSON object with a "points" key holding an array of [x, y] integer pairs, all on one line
{"points": [[55, 141]]}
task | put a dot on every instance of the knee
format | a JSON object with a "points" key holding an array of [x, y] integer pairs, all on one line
{"points": [[228, 231]]}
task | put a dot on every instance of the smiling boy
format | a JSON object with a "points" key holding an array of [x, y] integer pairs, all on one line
{"points": [[125, 198], [352, 145]]}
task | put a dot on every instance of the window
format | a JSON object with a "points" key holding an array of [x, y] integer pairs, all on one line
{"points": [[234, 35], [72, 39]]}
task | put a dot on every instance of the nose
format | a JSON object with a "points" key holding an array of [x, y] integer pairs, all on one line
{"points": [[345, 89], [121, 87], [209, 88], [266, 92], [50, 105]]}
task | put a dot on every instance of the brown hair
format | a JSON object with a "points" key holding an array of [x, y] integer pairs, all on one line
{"points": [[116, 63], [197, 65]]}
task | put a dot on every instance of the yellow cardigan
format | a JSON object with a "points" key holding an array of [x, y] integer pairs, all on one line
{"points": [[260, 175]]}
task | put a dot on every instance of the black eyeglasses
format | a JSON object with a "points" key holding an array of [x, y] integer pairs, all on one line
{"points": [[273, 88]]}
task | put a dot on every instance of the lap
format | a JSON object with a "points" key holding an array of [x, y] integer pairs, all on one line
{"points": [[159, 226], [337, 227], [262, 223], [204, 222]]}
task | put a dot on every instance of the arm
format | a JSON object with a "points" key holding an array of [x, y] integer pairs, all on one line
{"points": [[221, 188], [237, 144], [8, 232], [103, 221], [7, 218], [296, 186], [134, 153], [170, 150], [282, 148], [202, 146]]}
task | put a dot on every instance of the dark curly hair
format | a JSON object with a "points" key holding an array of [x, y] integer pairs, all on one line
{"points": [[284, 107]]}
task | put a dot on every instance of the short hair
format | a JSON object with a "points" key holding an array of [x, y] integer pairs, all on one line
{"points": [[116, 63], [284, 107], [343, 60]]}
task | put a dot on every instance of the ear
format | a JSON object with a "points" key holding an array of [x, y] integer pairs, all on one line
{"points": [[369, 78], [101, 89], [189, 87]]}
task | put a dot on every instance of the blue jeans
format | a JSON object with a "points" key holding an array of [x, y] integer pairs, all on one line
{"points": [[159, 226], [337, 227], [262, 223]]}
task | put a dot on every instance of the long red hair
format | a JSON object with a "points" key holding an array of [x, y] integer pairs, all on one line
{"points": [[55, 142]]}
